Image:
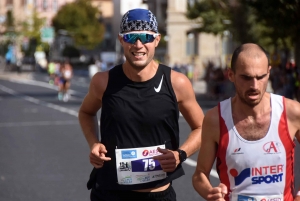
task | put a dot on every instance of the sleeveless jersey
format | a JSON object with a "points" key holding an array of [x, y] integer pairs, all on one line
{"points": [[137, 114], [256, 168]]}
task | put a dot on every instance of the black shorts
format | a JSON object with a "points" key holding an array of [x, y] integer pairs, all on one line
{"points": [[117, 195]]}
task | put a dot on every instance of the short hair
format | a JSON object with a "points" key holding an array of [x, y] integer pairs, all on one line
{"points": [[240, 49]]}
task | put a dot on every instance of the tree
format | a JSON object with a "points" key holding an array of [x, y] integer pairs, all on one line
{"points": [[283, 18], [10, 30], [31, 28], [216, 16], [269, 23], [80, 19]]}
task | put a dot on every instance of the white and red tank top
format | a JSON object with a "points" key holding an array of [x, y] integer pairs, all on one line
{"points": [[256, 170]]}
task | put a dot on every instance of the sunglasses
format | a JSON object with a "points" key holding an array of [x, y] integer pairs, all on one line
{"points": [[143, 37]]}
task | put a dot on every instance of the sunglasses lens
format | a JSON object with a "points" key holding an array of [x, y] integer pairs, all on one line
{"points": [[143, 37]]}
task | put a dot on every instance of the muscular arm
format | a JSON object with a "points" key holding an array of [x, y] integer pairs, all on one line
{"points": [[190, 110], [88, 118], [207, 153], [192, 113], [89, 108], [293, 117]]}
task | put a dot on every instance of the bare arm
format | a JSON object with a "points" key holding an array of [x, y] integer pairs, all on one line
{"points": [[293, 117], [190, 109], [192, 113], [88, 118], [206, 158]]}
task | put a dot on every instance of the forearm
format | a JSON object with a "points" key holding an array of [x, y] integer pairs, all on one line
{"points": [[192, 144], [89, 127], [201, 184]]}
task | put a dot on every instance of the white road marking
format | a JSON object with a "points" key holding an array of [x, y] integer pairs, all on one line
{"points": [[38, 123], [193, 163], [42, 84], [188, 161], [39, 102]]}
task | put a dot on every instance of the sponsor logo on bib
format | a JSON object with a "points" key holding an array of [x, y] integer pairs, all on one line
{"points": [[127, 154]]}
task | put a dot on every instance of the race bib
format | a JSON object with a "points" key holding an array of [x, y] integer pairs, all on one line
{"points": [[257, 198], [136, 166]]}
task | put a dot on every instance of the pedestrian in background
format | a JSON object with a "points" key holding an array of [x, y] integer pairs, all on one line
{"points": [[138, 155], [251, 135], [66, 74]]}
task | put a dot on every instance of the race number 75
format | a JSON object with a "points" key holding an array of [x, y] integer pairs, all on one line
{"points": [[145, 165], [149, 163]]}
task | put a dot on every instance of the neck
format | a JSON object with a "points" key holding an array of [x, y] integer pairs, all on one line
{"points": [[140, 74], [244, 109]]}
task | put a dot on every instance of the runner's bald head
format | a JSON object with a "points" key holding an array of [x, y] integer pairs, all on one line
{"points": [[250, 50]]}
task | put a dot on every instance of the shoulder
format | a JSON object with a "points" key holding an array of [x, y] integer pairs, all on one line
{"points": [[292, 109], [211, 117], [211, 124], [98, 83], [182, 85]]}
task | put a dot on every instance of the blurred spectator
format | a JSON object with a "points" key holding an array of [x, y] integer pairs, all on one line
{"points": [[184, 69], [176, 67]]}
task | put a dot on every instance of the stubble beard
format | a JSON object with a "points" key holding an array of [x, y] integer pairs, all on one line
{"points": [[251, 104], [138, 65]]}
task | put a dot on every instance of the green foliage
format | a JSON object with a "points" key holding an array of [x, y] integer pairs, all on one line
{"points": [[10, 21], [283, 19], [81, 20], [209, 14], [216, 16], [31, 28], [70, 51], [269, 23]]}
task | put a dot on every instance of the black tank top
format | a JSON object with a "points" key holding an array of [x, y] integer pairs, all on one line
{"points": [[137, 114]]}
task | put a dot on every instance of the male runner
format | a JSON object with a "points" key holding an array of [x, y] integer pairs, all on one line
{"points": [[251, 135], [137, 156]]}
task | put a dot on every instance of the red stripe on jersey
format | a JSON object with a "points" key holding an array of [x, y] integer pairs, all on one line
{"points": [[221, 153], [289, 149]]}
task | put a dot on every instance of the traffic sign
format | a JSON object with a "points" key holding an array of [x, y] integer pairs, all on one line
{"points": [[47, 34]]}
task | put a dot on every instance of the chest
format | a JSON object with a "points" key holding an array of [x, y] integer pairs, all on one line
{"points": [[141, 103], [251, 129]]}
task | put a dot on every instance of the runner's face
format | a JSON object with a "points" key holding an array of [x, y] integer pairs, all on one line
{"points": [[139, 55], [251, 78]]}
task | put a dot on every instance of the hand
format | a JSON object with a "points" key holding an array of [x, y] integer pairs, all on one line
{"points": [[97, 155], [217, 193], [297, 198], [168, 160]]}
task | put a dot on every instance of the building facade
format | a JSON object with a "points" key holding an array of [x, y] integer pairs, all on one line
{"points": [[179, 44], [186, 46]]}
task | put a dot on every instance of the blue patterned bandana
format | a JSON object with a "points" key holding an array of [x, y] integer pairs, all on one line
{"points": [[138, 20]]}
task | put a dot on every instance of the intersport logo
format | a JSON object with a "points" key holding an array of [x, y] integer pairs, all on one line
{"points": [[258, 175]]}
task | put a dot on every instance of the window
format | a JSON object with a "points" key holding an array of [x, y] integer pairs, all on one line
{"points": [[54, 5], [45, 4], [9, 2], [35, 4], [192, 44]]}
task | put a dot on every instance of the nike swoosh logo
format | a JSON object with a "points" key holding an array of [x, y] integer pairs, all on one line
{"points": [[159, 86]]}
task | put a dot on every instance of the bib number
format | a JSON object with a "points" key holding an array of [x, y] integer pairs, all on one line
{"points": [[135, 166]]}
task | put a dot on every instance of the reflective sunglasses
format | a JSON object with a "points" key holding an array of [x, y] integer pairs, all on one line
{"points": [[143, 37]]}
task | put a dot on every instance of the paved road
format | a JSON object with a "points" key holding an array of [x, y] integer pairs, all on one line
{"points": [[43, 154]]}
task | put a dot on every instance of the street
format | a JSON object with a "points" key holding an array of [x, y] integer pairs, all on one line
{"points": [[43, 153]]}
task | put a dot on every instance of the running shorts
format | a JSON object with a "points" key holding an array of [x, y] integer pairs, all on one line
{"points": [[118, 195]]}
